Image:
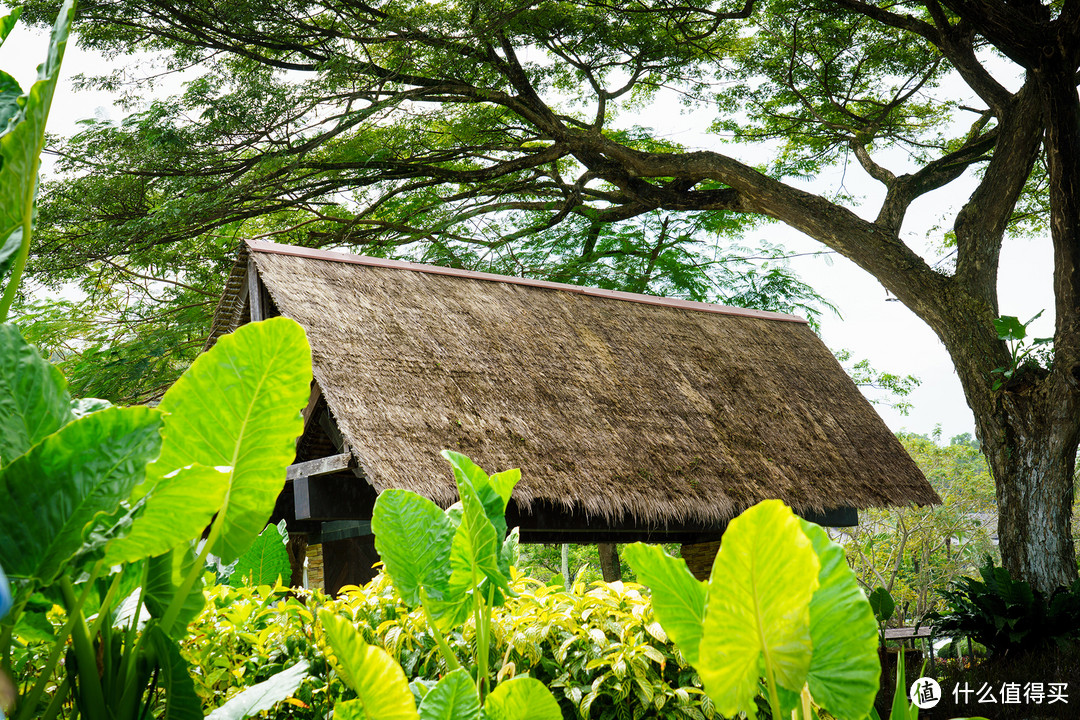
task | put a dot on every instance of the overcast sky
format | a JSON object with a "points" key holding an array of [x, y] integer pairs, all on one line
{"points": [[872, 327]]}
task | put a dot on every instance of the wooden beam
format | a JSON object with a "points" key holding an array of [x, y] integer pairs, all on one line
{"points": [[322, 466], [332, 497], [258, 312], [313, 399]]}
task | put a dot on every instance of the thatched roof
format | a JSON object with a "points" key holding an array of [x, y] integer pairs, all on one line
{"points": [[621, 405]]}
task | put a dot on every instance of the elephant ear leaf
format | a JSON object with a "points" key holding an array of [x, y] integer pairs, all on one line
{"points": [[67, 483], [678, 597], [413, 538], [22, 136], [758, 608], [844, 669], [522, 698], [237, 408], [34, 400], [378, 681]]}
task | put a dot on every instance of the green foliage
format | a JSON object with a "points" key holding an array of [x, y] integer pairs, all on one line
{"points": [[468, 540], [896, 387], [915, 552], [1005, 615], [22, 136], [266, 561], [1021, 355], [599, 649], [780, 603], [369, 671], [101, 531]]}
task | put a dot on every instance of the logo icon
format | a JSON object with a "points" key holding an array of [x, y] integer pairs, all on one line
{"points": [[925, 693]]}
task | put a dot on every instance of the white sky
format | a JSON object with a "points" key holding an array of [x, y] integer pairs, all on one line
{"points": [[886, 333]]}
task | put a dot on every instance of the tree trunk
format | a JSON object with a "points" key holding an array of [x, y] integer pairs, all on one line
{"points": [[1031, 447], [609, 562]]}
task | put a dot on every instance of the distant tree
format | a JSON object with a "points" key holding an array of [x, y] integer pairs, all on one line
{"points": [[914, 552], [487, 132]]}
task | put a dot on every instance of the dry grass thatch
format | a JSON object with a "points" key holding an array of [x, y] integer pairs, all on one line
{"points": [[660, 412]]}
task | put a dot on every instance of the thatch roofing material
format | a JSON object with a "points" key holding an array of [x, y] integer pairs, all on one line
{"points": [[661, 412]]}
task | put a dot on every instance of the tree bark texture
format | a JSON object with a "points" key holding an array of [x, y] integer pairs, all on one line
{"points": [[609, 561]]}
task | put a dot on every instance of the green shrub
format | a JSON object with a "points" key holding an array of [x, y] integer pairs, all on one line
{"points": [[599, 649], [1005, 614]]}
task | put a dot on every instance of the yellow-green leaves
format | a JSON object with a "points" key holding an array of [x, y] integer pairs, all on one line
{"points": [[379, 682], [781, 604], [22, 136], [522, 698], [678, 598], [758, 608], [237, 408]]}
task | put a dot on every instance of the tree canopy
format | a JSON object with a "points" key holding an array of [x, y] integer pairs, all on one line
{"points": [[499, 133]]}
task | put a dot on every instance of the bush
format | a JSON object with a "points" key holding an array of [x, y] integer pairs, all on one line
{"points": [[1005, 614], [599, 648]]}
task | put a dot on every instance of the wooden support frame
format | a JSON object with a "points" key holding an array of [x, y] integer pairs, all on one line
{"points": [[322, 466], [330, 488], [254, 292]]}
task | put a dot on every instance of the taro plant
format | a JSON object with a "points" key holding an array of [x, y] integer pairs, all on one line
{"points": [[883, 607], [455, 566], [782, 604], [104, 511], [101, 507]]}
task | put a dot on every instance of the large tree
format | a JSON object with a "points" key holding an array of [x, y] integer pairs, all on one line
{"points": [[492, 131]]}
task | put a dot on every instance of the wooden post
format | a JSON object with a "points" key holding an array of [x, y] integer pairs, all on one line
{"points": [[254, 292], [609, 561]]}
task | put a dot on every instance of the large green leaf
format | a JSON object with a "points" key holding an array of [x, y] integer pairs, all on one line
{"points": [[523, 698], [177, 510], [7, 22], [678, 598], [265, 561], [34, 401], [758, 609], [51, 496], [22, 137], [453, 698], [165, 576], [379, 682], [493, 495], [181, 700], [238, 407], [263, 696], [412, 536], [474, 552], [844, 669]]}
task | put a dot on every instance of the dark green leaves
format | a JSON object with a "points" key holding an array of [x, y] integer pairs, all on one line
{"points": [[181, 701], [453, 698], [56, 492], [33, 396]]}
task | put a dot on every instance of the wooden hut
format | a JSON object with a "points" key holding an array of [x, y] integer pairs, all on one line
{"points": [[632, 417]]}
